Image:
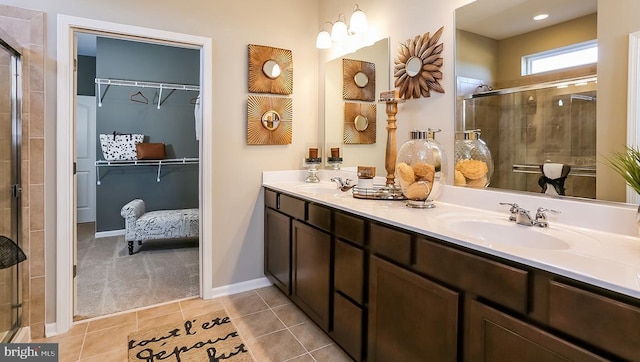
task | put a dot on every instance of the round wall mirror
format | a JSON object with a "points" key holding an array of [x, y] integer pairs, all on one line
{"points": [[271, 69], [361, 123], [270, 120], [361, 79], [413, 66]]}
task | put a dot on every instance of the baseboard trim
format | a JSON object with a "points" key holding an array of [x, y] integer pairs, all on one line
{"points": [[109, 233], [22, 336], [239, 287], [50, 329]]}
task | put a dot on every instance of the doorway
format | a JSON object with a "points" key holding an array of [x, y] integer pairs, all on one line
{"points": [[67, 26], [133, 87]]}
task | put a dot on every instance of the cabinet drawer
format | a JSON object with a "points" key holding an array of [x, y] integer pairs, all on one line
{"points": [[349, 270], [319, 216], [292, 206], [347, 326], [494, 281], [604, 322], [495, 336], [270, 198], [391, 243], [349, 228]]}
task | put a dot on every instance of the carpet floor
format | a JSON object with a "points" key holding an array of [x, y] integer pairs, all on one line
{"points": [[109, 280]]}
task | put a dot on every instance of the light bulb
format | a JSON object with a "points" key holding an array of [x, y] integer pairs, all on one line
{"points": [[339, 31], [323, 41], [358, 22]]}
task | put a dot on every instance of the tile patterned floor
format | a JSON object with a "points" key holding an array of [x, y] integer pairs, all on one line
{"points": [[272, 327]]}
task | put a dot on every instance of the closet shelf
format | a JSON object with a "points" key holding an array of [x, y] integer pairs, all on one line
{"points": [[129, 163], [172, 87]]}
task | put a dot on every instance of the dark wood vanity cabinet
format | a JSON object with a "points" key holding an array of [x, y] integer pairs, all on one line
{"points": [[387, 294], [310, 278], [349, 298], [410, 317], [277, 249], [496, 336]]}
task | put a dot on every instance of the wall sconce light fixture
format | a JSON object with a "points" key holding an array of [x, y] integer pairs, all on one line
{"points": [[340, 32]]}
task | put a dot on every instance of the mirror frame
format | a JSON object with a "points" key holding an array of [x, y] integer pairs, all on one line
{"points": [[259, 81], [350, 89], [257, 132]]}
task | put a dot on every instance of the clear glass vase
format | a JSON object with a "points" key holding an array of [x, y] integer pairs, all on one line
{"points": [[421, 168], [473, 161]]}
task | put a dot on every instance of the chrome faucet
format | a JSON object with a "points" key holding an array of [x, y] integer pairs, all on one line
{"points": [[343, 186], [513, 210], [523, 217], [541, 217]]}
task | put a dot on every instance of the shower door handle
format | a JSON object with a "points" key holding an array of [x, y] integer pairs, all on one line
{"points": [[16, 191]]}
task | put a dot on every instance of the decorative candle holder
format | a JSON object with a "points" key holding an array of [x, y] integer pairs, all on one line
{"points": [[312, 168], [311, 163], [334, 160]]}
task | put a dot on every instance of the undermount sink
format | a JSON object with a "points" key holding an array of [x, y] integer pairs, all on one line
{"points": [[325, 188], [496, 233]]}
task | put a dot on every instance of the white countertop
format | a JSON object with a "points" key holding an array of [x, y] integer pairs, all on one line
{"points": [[603, 247]]}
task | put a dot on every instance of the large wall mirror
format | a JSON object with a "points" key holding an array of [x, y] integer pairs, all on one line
{"points": [[525, 121], [363, 154]]}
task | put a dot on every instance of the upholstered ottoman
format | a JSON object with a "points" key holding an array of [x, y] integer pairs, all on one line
{"points": [[141, 226]]}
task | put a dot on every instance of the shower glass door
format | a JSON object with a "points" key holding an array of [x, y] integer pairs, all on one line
{"points": [[10, 134]]}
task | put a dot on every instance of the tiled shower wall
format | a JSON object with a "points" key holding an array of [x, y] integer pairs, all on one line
{"points": [[27, 28], [536, 126]]}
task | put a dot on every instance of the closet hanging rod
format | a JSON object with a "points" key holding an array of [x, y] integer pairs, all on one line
{"points": [[141, 84]]}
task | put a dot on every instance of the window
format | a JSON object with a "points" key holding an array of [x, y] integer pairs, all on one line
{"points": [[559, 58]]}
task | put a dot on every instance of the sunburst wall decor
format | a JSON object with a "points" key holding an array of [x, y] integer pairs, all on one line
{"points": [[262, 77], [417, 67], [359, 123], [269, 120], [358, 80]]}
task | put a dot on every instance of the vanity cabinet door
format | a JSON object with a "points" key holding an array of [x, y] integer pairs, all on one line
{"points": [[410, 318], [277, 249], [310, 272], [495, 336]]}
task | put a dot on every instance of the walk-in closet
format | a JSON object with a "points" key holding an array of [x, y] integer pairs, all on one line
{"points": [[127, 90]]}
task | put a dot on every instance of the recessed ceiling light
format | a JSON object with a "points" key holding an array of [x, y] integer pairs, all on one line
{"points": [[541, 17]]}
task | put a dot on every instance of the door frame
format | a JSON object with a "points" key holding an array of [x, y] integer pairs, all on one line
{"points": [[65, 152]]}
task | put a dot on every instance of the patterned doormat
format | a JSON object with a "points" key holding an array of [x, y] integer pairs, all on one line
{"points": [[210, 337]]}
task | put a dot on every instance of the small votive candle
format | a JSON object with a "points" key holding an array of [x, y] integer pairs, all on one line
{"points": [[313, 153], [335, 152]]}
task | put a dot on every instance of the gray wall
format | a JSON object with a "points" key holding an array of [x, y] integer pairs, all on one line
{"points": [[172, 124], [86, 75]]}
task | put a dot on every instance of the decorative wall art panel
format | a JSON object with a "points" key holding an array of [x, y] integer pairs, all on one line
{"points": [[269, 120], [359, 123], [358, 80], [417, 67], [270, 70]]}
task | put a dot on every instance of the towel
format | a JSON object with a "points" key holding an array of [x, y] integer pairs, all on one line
{"points": [[197, 112], [553, 174]]}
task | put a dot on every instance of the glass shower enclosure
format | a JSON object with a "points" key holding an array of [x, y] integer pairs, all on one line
{"points": [[10, 140], [527, 126]]}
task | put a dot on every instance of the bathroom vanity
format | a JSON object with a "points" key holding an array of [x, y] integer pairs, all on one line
{"points": [[389, 283]]}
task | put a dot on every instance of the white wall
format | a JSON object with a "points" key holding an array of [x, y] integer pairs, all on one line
{"points": [[238, 215], [401, 20]]}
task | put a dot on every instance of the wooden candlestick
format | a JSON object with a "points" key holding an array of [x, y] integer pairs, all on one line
{"points": [[391, 152]]}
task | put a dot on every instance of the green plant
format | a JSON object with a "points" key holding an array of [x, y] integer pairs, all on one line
{"points": [[627, 165]]}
